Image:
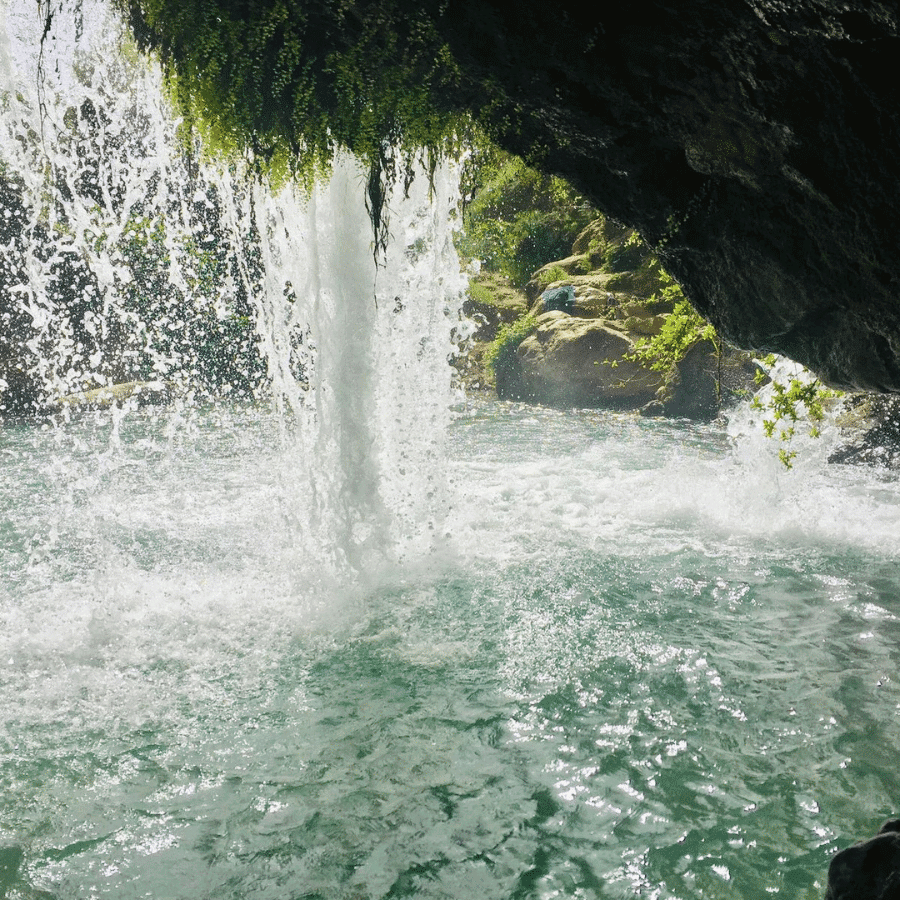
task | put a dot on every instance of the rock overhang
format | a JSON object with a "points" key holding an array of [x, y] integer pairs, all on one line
{"points": [[752, 145]]}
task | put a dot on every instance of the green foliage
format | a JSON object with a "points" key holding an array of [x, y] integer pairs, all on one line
{"points": [[788, 404], [191, 332], [517, 220], [290, 82], [480, 294], [501, 353], [682, 328], [554, 273]]}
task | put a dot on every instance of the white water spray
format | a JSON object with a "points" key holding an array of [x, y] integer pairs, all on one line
{"points": [[359, 356], [129, 261]]}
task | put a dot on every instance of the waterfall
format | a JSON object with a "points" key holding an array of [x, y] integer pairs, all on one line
{"points": [[360, 356], [127, 259]]}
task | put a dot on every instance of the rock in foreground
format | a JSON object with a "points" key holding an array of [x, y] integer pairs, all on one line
{"points": [[869, 870]]}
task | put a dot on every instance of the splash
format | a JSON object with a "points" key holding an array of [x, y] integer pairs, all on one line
{"points": [[128, 261], [359, 357]]}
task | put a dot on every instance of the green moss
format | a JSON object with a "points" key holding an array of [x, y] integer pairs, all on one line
{"points": [[554, 273], [582, 266], [624, 257], [288, 83], [481, 294], [501, 354]]}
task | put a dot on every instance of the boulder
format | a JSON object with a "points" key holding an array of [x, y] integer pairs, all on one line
{"points": [[869, 870], [871, 425], [703, 382], [145, 393], [491, 303], [574, 362]]}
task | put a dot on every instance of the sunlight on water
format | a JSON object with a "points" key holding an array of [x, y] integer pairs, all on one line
{"points": [[589, 692], [336, 637]]}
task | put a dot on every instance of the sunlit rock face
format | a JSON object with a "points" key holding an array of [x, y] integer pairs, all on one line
{"points": [[754, 144]]}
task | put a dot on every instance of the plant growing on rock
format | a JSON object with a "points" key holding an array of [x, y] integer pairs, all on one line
{"points": [[682, 328], [800, 398], [501, 354], [554, 273], [517, 220]]}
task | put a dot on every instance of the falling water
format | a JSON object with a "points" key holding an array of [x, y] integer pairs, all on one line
{"points": [[319, 628], [355, 347]]}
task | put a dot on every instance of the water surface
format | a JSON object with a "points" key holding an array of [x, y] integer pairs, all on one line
{"points": [[638, 660]]}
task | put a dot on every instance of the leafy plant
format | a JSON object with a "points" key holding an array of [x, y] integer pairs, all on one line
{"points": [[517, 220], [501, 353], [788, 403], [290, 82], [682, 328], [554, 273]]}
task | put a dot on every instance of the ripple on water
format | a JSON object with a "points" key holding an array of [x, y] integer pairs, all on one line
{"points": [[604, 685]]}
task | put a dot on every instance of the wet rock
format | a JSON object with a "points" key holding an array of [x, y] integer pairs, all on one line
{"points": [[869, 870], [871, 424], [752, 145], [703, 382], [145, 393], [491, 303]]}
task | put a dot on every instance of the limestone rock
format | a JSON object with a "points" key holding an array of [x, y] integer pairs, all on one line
{"points": [[575, 362], [596, 293]]}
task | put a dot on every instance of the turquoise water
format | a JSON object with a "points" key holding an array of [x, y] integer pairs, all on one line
{"points": [[638, 661]]}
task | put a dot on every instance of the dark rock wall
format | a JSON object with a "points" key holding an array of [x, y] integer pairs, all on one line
{"points": [[754, 144]]}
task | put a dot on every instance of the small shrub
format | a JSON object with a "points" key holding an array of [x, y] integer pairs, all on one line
{"points": [[517, 220], [800, 398], [682, 328], [501, 354], [554, 273]]}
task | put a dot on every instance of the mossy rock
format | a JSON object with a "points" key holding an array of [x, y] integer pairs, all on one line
{"points": [[645, 326], [586, 286], [573, 362], [870, 423], [492, 302], [145, 393], [600, 235], [560, 269], [473, 369], [702, 383], [645, 309], [642, 282]]}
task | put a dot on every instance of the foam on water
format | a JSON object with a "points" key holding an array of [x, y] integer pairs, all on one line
{"points": [[346, 643], [630, 488]]}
